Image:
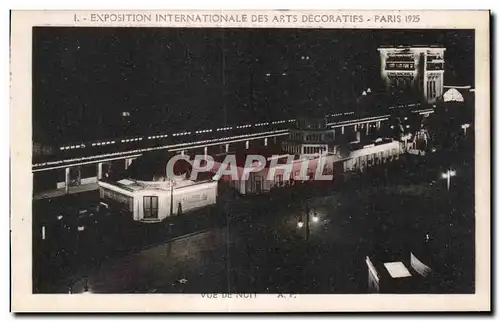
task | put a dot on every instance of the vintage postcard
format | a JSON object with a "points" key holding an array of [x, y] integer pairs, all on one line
{"points": [[250, 161]]}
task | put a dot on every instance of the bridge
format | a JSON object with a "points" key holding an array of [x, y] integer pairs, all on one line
{"points": [[105, 152]]}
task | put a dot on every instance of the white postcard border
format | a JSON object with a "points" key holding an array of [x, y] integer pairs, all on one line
{"points": [[21, 177]]}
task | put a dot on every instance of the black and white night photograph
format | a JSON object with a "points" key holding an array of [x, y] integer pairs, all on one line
{"points": [[231, 162], [302, 161]]}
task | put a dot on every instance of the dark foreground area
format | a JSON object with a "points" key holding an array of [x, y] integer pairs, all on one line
{"points": [[254, 245]]}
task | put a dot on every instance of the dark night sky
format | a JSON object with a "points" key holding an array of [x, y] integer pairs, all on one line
{"points": [[188, 79]]}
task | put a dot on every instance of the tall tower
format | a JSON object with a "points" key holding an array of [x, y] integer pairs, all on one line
{"points": [[406, 69]]}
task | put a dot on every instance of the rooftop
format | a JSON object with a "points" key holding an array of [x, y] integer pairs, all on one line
{"points": [[164, 185], [397, 270]]}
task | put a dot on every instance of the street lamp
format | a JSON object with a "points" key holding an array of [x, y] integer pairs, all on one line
{"points": [[447, 175], [465, 127], [314, 218]]}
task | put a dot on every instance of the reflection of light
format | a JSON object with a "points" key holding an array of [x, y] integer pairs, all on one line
{"points": [[407, 126], [372, 269], [392, 126], [300, 224], [406, 118], [59, 217], [81, 228]]}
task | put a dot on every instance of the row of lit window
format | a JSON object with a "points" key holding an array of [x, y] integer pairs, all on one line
{"points": [[181, 133], [222, 139], [403, 66], [184, 133], [165, 135], [340, 114], [188, 145], [131, 140], [158, 136], [103, 143], [69, 147], [203, 131]]}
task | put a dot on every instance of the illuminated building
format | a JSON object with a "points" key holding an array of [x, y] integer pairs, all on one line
{"points": [[280, 170], [153, 201], [310, 136], [412, 69], [397, 272], [367, 155]]}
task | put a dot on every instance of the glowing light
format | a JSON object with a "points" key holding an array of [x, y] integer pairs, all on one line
{"points": [[397, 269], [453, 95], [315, 218], [372, 269], [448, 174], [300, 224]]}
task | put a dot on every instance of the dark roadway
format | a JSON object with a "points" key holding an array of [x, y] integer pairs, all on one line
{"points": [[253, 244]]}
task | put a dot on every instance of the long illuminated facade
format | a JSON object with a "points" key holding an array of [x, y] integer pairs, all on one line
{"points": [[420, 70], [153, 201]]}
